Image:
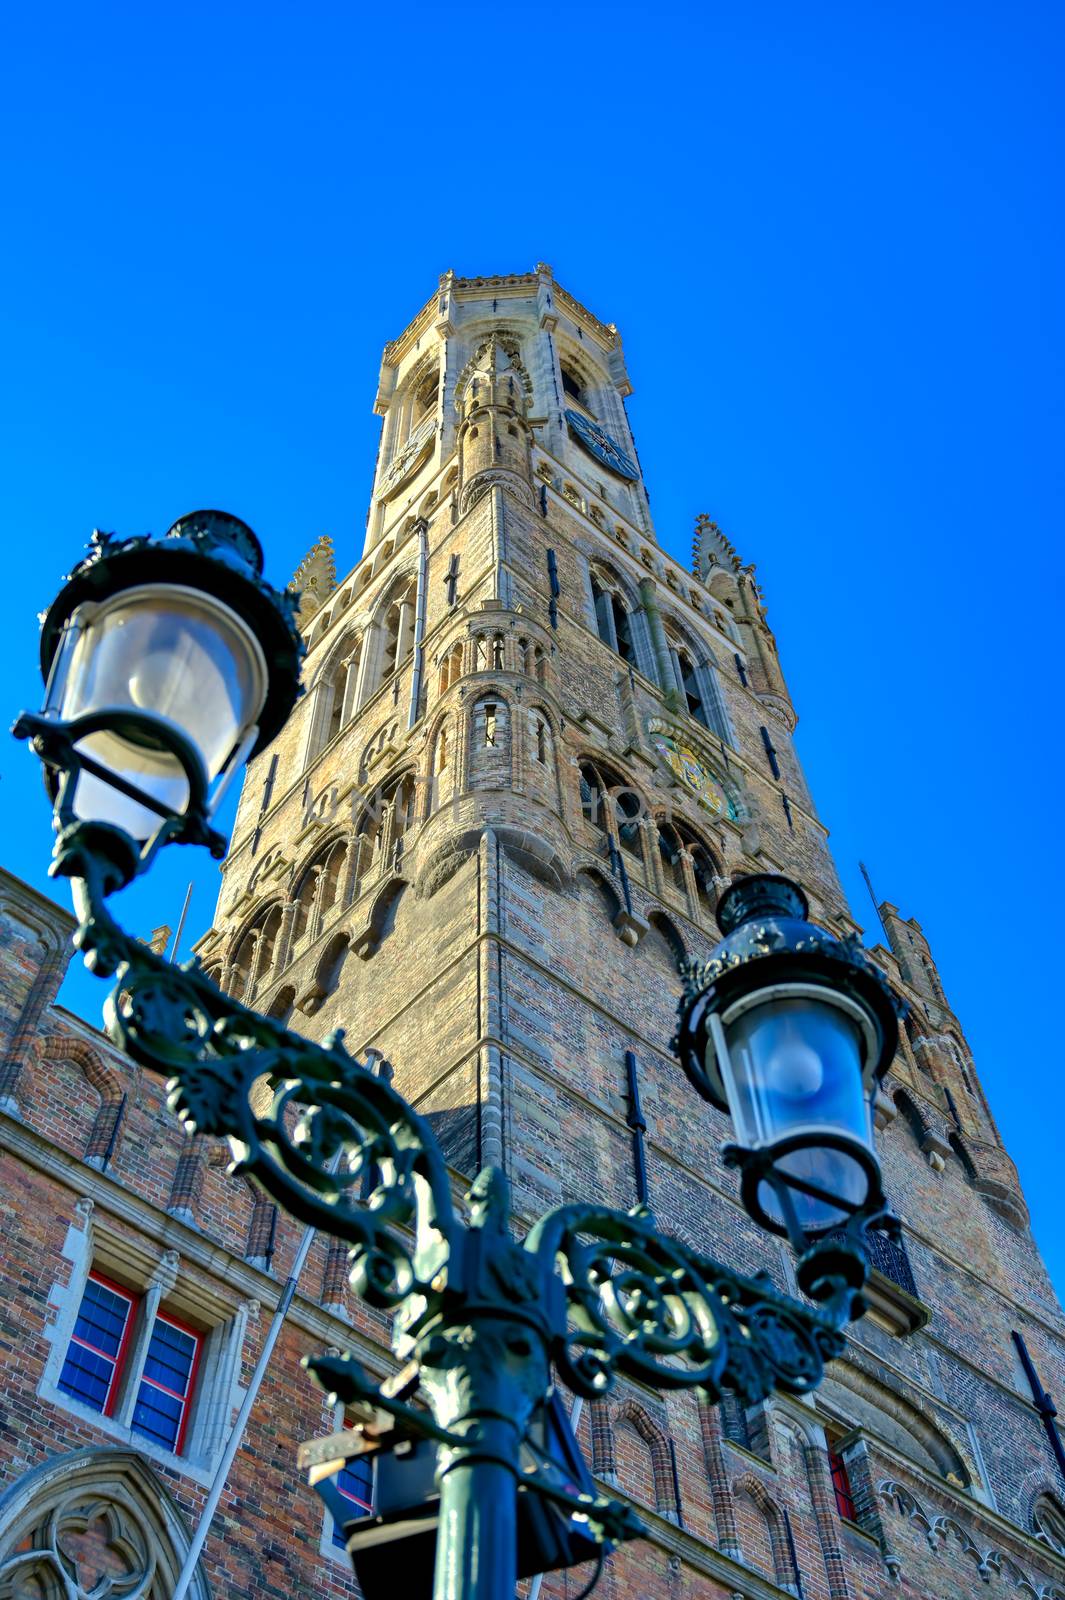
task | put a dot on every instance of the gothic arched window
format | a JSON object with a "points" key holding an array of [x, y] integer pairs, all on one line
{"points": [[628, 809], [398, 626], [318, 890], [593, 796], [254, 955], [669, 848], [571, 385], [423, 399], [675, 839], [451, 667], [1048, 1523], [335, 688], [696, 677]]}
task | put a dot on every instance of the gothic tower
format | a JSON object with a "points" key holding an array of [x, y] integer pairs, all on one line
{"points": [[532, 752]]}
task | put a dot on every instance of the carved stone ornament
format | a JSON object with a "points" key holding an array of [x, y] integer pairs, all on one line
{"points": [[692, 769], [95, 1525]]}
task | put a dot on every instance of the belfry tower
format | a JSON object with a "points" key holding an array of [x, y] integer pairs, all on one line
{"points": [[533, 750]]}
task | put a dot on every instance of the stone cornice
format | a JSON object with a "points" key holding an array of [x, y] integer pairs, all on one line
{"points": [[58, 919], [508, 284]]}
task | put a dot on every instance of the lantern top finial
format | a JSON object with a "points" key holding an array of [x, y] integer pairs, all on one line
{"points": [[760, 894], [222, 536]]}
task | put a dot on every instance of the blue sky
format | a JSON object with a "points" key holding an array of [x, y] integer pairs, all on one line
{"points": [[832, 238]]}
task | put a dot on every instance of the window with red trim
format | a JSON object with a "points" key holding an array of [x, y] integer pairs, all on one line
{"points": [[842, 1485], [98, 1345], [162, 1409], [355, 1482], [98, 1356]]}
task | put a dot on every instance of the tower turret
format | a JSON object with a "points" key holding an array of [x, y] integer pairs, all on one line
{"points": [[493, 401]]}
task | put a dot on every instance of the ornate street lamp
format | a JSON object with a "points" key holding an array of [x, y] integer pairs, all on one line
{"points": [[168, 662], [791, 1031]]}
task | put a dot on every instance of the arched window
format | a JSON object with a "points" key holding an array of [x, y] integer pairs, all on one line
{"points": [[628, 808], [523, 655], [423, 400], [318, 891], [254, 957], [344, 675], [335, 688], [480, 653], [498, 648], [704, 873], [301, 919], [612, 805], [669, 848], [673, 839], [332, 867], [571, 385], [395, 800], [441, 750], [400, 794], [690, 686], [1048, 1523], [612, 621], [398, 625], [103, 1524], [539, 740], [490, 741], [594, 798], [538, 664], [697, 679], [451, 667]]}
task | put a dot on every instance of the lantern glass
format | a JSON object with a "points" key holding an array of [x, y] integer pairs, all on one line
{"points": [[795, 1070], [170, 654]]}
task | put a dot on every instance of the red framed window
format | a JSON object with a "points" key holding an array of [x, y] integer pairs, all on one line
{"points": [[355, 1482], [98, 1345], [162, 1408], [842, 1486], [98, 1354]]}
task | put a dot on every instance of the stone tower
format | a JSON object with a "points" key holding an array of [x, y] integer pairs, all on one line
{"points": [[533, 750]]}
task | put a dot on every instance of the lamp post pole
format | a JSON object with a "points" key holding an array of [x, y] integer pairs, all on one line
{"points": [[782, 1015]]}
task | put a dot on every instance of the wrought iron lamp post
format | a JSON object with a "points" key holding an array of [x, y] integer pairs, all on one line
{"points": [[168, 662]]}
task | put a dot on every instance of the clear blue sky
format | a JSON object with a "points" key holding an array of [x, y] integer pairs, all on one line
{"points": [[832, 238]]}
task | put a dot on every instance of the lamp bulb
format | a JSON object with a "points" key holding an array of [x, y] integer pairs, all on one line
{"points": [[795, 1071]]}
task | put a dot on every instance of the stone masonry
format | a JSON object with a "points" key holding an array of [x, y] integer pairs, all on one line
{"points": [[532, 752]]}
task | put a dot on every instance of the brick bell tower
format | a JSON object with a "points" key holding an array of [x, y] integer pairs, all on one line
{"points": [[533, 750]]}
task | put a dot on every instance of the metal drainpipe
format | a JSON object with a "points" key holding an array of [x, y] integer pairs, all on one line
{"points": [[634, 1118], [1042, 1402], [236, 1438], [574, 1422], [422, 528]]}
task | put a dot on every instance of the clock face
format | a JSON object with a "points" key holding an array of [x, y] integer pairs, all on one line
{"points": [[693, 771], [602, 446], [410, 457]]}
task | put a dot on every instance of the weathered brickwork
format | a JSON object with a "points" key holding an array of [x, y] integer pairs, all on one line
{"points": [[532, 753]]}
